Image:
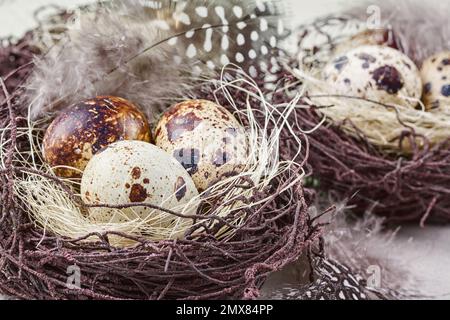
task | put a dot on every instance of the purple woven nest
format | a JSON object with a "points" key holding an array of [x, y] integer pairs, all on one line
{"points": [[35, 264], [406, 188]]}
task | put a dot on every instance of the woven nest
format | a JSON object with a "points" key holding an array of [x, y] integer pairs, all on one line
{"points": [[400, 170], [35, 262]]}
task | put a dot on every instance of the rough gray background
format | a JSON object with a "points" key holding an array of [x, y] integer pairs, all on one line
{"points": [[427, 252]]}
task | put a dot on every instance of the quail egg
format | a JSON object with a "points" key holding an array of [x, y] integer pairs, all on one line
{"points": [[130, 172], [376, 73], [206, 139], [436, 81], [84, 129]]}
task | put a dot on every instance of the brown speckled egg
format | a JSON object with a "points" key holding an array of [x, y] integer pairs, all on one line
{"points": [[376, 73], [84, 129], [206, 139], [130, 172], [436, 81]]}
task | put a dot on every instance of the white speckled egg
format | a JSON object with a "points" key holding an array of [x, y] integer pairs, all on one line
{"points": [[130, 172], [377, 73], [436, 81], [206, 139]]}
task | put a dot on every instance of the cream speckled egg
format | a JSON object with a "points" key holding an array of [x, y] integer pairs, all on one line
{"points": [[436, 81], [130, 172], [206, 138], [377, 73]]}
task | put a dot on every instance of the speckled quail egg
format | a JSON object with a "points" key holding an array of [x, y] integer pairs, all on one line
{"points": [[436, 81], [376, 73], [368, 37], [129, 172], [206, 139], [82, 130]]}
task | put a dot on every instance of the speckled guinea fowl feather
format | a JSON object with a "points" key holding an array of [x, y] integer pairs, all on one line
{"points": [[219, 32], [148, 51], [333, 281]]}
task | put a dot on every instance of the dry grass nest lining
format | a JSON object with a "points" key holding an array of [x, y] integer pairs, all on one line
{"points": [[361, 157], [261, 238]]}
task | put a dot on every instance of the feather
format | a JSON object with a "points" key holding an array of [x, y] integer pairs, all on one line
{"points": [[371, 250], [422, 27], [361, 260], [332, 281], [149, 51]]}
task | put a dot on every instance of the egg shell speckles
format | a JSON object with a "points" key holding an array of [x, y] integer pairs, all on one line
{"points": [[130, 172], [435, 73], [84, 129], [206, 138], [376, 73]]}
